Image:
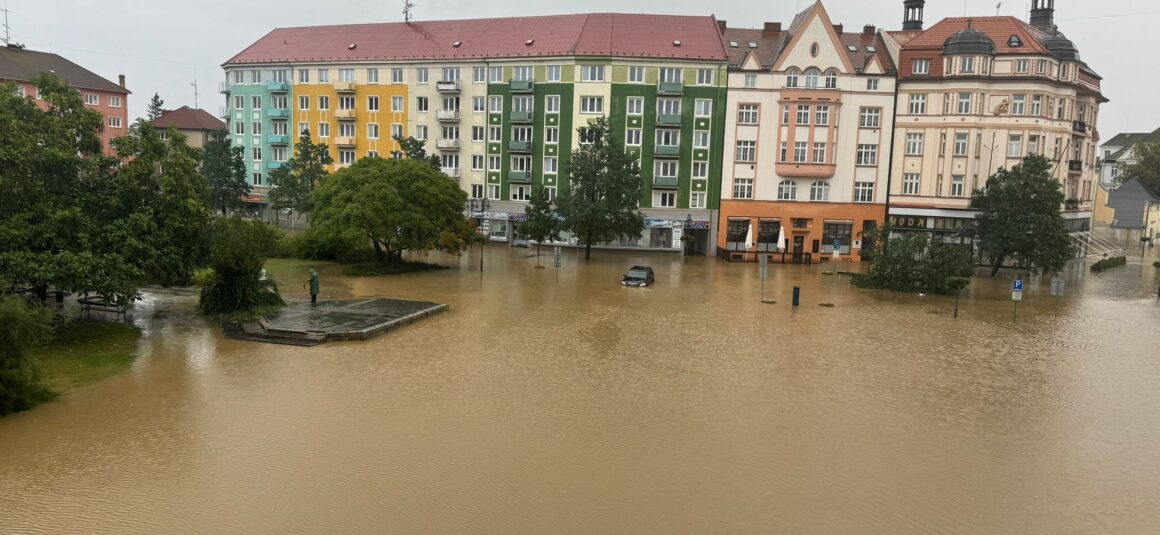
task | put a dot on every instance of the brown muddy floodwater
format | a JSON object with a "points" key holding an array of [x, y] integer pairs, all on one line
{"points": [[537, 406]]}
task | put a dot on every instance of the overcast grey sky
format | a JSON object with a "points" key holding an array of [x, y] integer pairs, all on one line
{"points": [[158, 44]]}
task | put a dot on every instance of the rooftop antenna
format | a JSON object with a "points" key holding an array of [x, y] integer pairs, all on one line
{"points": [[408, 5], [7, 29], [997, 8], [195, 91]]}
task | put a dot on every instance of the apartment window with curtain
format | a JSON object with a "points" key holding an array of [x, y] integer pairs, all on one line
{"points": [[960, 144], [803, 114], [746, 151], [1014, 146], [870, 117], [747, 114], [867, 155], [799, 151]]}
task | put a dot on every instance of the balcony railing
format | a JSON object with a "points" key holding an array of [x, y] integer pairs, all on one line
{"points": [[665, 182], [345, 115], [447, 144], [1079, 126], [520, 177], [520, 146], [223, 112], [277, 139], [521, 86], [277, 87], [668, 119], [520, 116], [447, 115], [1075, 166], [224, 87], [344, 87], [447, 86], [344, 141], [451, 171], [670, 88], [277, 113], [272, 165], [668, 151]]}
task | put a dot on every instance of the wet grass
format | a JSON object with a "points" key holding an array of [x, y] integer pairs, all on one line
{"points": [[374, 269], [83, 352]]}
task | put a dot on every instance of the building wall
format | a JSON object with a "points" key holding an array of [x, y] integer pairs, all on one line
{"points": [[113, 107]]}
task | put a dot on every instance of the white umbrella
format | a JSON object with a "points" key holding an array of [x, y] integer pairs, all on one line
{"points": [[749, 236], [780, 237]]}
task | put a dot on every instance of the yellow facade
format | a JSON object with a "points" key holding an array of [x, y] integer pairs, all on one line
{"points": [[393, 108]]}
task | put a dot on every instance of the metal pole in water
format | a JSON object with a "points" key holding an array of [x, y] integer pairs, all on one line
{"points": [[957, 303], [797, 293]]}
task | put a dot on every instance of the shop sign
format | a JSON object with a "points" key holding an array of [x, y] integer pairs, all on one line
{"points": [[699, 225], [519, 217], [658, 223], [907, 221]]}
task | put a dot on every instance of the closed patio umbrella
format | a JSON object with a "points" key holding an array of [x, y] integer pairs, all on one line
{"points": [[749, 236], [781, 245]]}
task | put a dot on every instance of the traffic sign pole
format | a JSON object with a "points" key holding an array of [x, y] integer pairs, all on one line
{"points": [[1016, 296]]}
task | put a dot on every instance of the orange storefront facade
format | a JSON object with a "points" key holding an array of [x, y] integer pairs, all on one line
{"points": [[808, 230]]}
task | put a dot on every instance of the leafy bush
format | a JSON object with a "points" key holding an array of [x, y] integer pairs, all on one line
{"points": [[1108, 263], [202, 276], [21, 327], [238, 253], [913, 263]]}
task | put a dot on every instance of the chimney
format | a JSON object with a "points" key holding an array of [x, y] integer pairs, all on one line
{"points": [[869, 29], [721, 26], [912, 15], [1043, 15], [121, 80], [838, 28], [771, 27]]}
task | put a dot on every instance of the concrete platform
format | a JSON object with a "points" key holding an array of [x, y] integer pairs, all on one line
{"points": [[303, 324]]}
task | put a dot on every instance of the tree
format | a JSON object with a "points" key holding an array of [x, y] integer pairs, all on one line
{"points": [[913, 263], [224, 168], [414, 149], [292, 184], [239, 251], [600, 203], [542, 223], [396, 205], [21, 327], [155, 107], [1019, 217], [1147, 166]]}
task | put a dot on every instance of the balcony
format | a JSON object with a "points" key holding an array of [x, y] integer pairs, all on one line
{"points": [[520, 177], [667, 151], [344, 87], [277, 87], [447, 115], [452, 172], [1079, 127], [447, 144], [224, 87], [520, 146], [805, 170], [666, 182], [345, 115], [344, 141], [668, 119], [520, 116], [521, 86], [223, 112], [670, 88], [447, 87], [277, 139], [277, 113], [271, 165], [1075, 166]]}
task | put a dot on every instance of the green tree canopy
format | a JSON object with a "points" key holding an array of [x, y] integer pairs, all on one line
{"points": [[913, 263], [224, 168], [156, 108], [601, 201], [542, 223], [1019, 217], [21, 326], [396, 205], [239, 251], [292, 184], [1146, 169], [414, 149]]}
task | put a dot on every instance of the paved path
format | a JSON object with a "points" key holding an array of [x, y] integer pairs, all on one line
{"points": [[302, 323]]}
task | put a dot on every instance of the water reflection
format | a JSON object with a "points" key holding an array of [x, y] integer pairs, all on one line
{"points": [[581, 406]]}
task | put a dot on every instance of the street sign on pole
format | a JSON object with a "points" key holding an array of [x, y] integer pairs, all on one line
{"points": [[1017, 290]]}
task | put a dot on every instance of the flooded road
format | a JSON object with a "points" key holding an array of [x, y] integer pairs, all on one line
{"points": [[578, 406]]}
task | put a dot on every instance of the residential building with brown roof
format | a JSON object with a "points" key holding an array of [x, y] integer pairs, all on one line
{"points": [[196, 124]]}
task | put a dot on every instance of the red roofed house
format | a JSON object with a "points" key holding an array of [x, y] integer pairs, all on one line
{"points": [[197, 125], [978, 94]]}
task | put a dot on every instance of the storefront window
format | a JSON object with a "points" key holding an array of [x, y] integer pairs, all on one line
{"points": [[768, 231], [498, 229], [837, 232]]}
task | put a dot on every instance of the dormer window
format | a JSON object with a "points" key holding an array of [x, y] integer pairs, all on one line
{"points": [[811, 78], [733, 44], [791, 78], [753, 44], [831, 79], [921, 66], [1014, 41], [967, 65], [1063, 71]]}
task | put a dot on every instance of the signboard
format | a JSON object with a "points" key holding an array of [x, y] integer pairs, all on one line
{"points": [[677, 233], [519, 217], [1017, 290], [906, 221], [698, 225]]}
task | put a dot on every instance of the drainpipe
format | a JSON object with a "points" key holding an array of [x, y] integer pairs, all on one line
{"points": [[890, 164]]}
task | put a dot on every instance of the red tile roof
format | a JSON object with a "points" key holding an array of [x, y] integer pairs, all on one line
{"points": [[596, 34], [998, 29], [26, 65], [186, 118]]}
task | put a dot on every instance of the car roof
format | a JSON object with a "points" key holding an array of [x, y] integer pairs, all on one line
{"points": [[640, 267]]}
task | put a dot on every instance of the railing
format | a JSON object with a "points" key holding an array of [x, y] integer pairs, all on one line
{"points": [[277, 87], [668, 119], [520, 177], [774, 258], [447, 115], [274, 165], [670, 151], [521, 86], [665, 182], [344, 87], [670, 88], [1075, 166], [277, 113], [224, 87], [451, 171], [344, 141], [447, 143], [1079, 126], [520, 146], [346, 115], [520, 116], [447, 86], [277, 139], [223, 112]]}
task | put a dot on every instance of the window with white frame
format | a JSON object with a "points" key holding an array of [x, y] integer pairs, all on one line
{"points": [[477, 191], [635, 106], [743, 188], [800, 148], [422, 104], [450, 162], [1021, 66], [239, 128], [822, 116], [255, 77], [493, 192], [396, 75], [914, 144], [591, 73], [697, 200], [704, 76], [700, 169], [636, 74], [1037, 105], [803, 114], [746, 151], [303, 127], [819, 191], [478, 104], [863, 192], [396, 130], [1014, 146], [785, 114], [819, 152], [495, 134], [522, 164], [256, 153], [554, 73], [397, 103], [920, 66], [632, 137], [1032, 144], [782, 154], [669, 106], [303, 103], [960, 144], [521, 133], [831, 79], [791, 78], [871, 84], [303, 76], [702, 107], [1018, 104], [421, 132], [346, 103], [478, 134], [910, 184], [256, 102], [345, 129], [323, 103], [664, 199], [917, 104], [421, 75], [324, 76], [551, 164], [239, 103], [372, 76], [256, 128], [346, 75], [967, 65], [523, 103], [869, 117], [114, 122], [964, 103], [700, 139], [372, 130], [521, 192], [750, 80], [668, 138], [670, 75], [479, 74], [450, 132], [494, 163], [552, 104], [787, 190], [522, 73], [957, 183], [450, 74], [593, 105], [92, 99], [747, 114], [811, 78], [867, 154], [551, 135], [495, 104], [256, 179]]}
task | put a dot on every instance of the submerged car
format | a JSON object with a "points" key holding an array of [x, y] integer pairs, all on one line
{"points": [[639, 276]]}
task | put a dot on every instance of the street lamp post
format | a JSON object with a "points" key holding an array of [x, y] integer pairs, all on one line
{"points": [[480, 206], [684, 231]]}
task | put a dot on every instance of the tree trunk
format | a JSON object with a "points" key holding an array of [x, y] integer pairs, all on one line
{"points": [[537, 252], [998, 264], [378, 250]]}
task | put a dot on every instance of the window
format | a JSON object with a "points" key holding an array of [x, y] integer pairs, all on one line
{"points": [[421, 75], [478, 104], [372, 130], [819, 152], [303, 103], [591, 104], [700, 169], [867, 154], [917, 104], [791, 78], [239, 103], [811, 78], [421, 132], [372, 76], [477, 191], [495, 134], [819, 191], [960, 144], [1014, 146], [664, 199], [256, 128], [870, 117], [863, 192], [787, 190], [635, 105], [256, 102], [396, 75], [704, 76], [840, 234], [495, 104], [346, 103], [1018, 104], [323, 76], [493, 163], [697, 200], [671, 75], [668, 138], [914, 144], [591, 73], [92, 100], [967, 65], [636, 75], [669, 106], [920, 66], [553, 73], [303, 127], [799, 151], [702, 107], [550, 164], [910, 184], [782, 154], [964, 103], [1032, 144], [522, 163], [803, 114], [750, 80], [872, 84], [700, 139], [1037, 105], [493, 192], [665, 168], [551, 135], [831, 80], [256, 179], [303, 76], [479, 74], [1063, 71], [256, 153], [279, 103], [396, 130], [397, 103], [1021, 65], [478, 134], [822, 116], [632, 137], [523, 103], [114, 122], [323, 103], [785, 114], [521, 133], [1041, 66], [114, 101], [552, 104], [957, 182], [746, 151], [346, 75], [255, 77], [421, 103], [450, 74], [743, 188], [522, 73], [747, 114]]}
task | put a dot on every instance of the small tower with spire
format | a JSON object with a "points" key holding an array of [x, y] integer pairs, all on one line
{"points": [[912, 15], [1043, 15]]}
